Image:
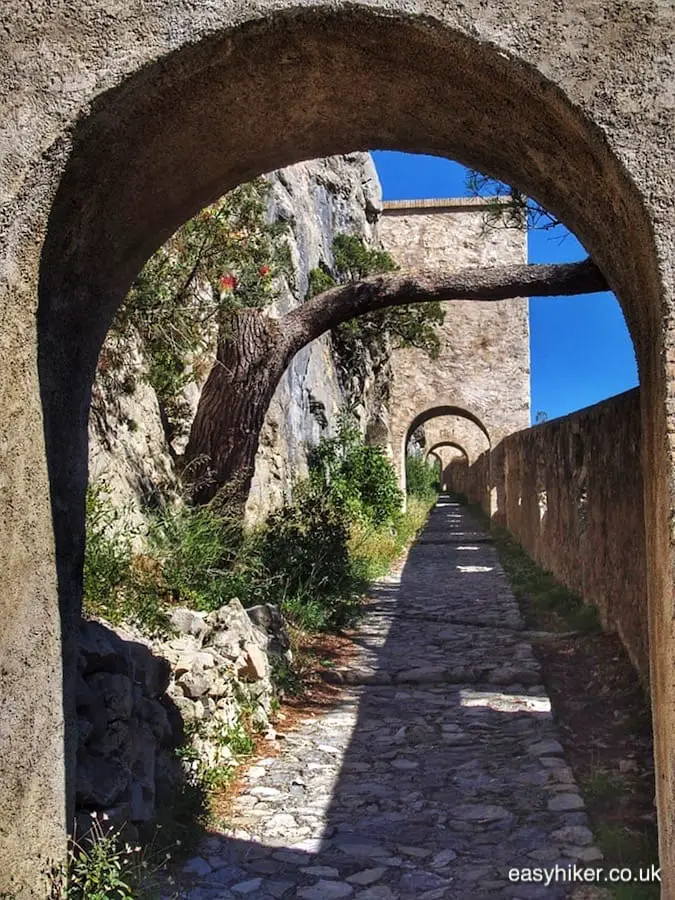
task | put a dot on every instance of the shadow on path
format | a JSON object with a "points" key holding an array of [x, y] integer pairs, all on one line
{"points": [[437, 773]]}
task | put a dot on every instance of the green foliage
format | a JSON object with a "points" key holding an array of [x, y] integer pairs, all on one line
{"points": [[202, 554], [304, 550], [623, 846], [107, 558], [341, 529], [507, 206], [101, 872], [225, 258], [359, 475], [194, 556], [374, 549], [603, 788], [285, 678], [101, 865], [313, 557], [422, 478], [320, 280], [540, 591], [404, 326], [238, 739], [115, 587], [353, 260]]}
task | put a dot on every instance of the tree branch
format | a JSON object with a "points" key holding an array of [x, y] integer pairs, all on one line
{"points": [[326, 310]]}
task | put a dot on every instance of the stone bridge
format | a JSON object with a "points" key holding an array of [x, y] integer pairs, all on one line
{"points": [[105, 110]]}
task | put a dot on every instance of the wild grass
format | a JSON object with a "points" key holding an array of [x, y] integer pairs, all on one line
{"points": [[540, 592]]}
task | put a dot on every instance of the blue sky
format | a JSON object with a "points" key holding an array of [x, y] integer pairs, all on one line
{"points": [[580, 348]]}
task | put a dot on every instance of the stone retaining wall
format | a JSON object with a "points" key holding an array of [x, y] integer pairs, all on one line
{"points": [[571, 492], [138, 700]]}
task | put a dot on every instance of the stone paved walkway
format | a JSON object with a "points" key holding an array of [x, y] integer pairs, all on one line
{"points": [[438, 772]]}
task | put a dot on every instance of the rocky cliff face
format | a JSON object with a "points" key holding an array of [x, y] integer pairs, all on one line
{"points": [[128, 447], [319, 199]]}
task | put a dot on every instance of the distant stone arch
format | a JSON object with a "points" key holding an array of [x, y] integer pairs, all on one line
{"points": [[454, 461], [452, 444], [427, 415]]}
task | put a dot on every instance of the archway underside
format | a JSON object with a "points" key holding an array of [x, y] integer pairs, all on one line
{"points": [[296, 86]]}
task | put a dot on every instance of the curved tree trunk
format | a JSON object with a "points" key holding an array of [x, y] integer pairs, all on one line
{"points": [[252, 358], [225, 433]]}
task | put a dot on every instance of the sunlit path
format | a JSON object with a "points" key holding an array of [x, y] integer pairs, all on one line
{"points": [[440, 770]]}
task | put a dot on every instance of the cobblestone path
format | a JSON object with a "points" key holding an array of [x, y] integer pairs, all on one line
{"points": [[439, 771]]}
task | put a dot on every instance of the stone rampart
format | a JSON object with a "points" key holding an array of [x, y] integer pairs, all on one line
{"points": [[483, 346], [571, 491]]}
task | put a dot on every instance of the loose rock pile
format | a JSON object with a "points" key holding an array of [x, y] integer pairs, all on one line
{"points": [[137, 699]]}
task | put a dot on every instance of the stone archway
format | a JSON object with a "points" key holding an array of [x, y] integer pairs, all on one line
{"points": [[470, 429], [454, 461], [460, 430], [176, 105]]}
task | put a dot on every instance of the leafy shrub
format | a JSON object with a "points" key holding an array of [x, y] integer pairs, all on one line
{"points": [[101, 865], [304, 550], [313, 557], [359, 475], [374, 549], [422, 478], [107, 558]]}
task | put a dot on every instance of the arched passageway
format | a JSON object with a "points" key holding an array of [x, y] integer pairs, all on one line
{"points": [[454, 462], [185, 105], [467, 423], [459, 430]]}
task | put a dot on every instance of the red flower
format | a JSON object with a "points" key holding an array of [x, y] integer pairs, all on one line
{"points": [[264, 270], [227, 282]]}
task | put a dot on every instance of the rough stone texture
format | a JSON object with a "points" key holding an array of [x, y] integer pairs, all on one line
{"points": [[457, 442], [106, 109], [466, 435], [429, 783], [128, 448], [483, 346], [135, 696], [320, 198], [571, 491]]}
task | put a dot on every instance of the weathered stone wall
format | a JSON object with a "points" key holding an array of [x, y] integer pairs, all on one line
{"points": [[456, 430], [571, 491], [444, 435], [136, 699], [484, 361]]}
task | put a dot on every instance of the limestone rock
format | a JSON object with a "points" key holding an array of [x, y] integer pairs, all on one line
{"points": [[186, 621]]}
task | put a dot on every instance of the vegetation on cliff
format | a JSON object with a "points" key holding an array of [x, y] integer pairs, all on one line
{"points": [[215, 278], [313, 557]]}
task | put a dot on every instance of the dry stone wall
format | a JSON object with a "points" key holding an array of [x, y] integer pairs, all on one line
{"points": [[571, 491], [139, 700]]}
